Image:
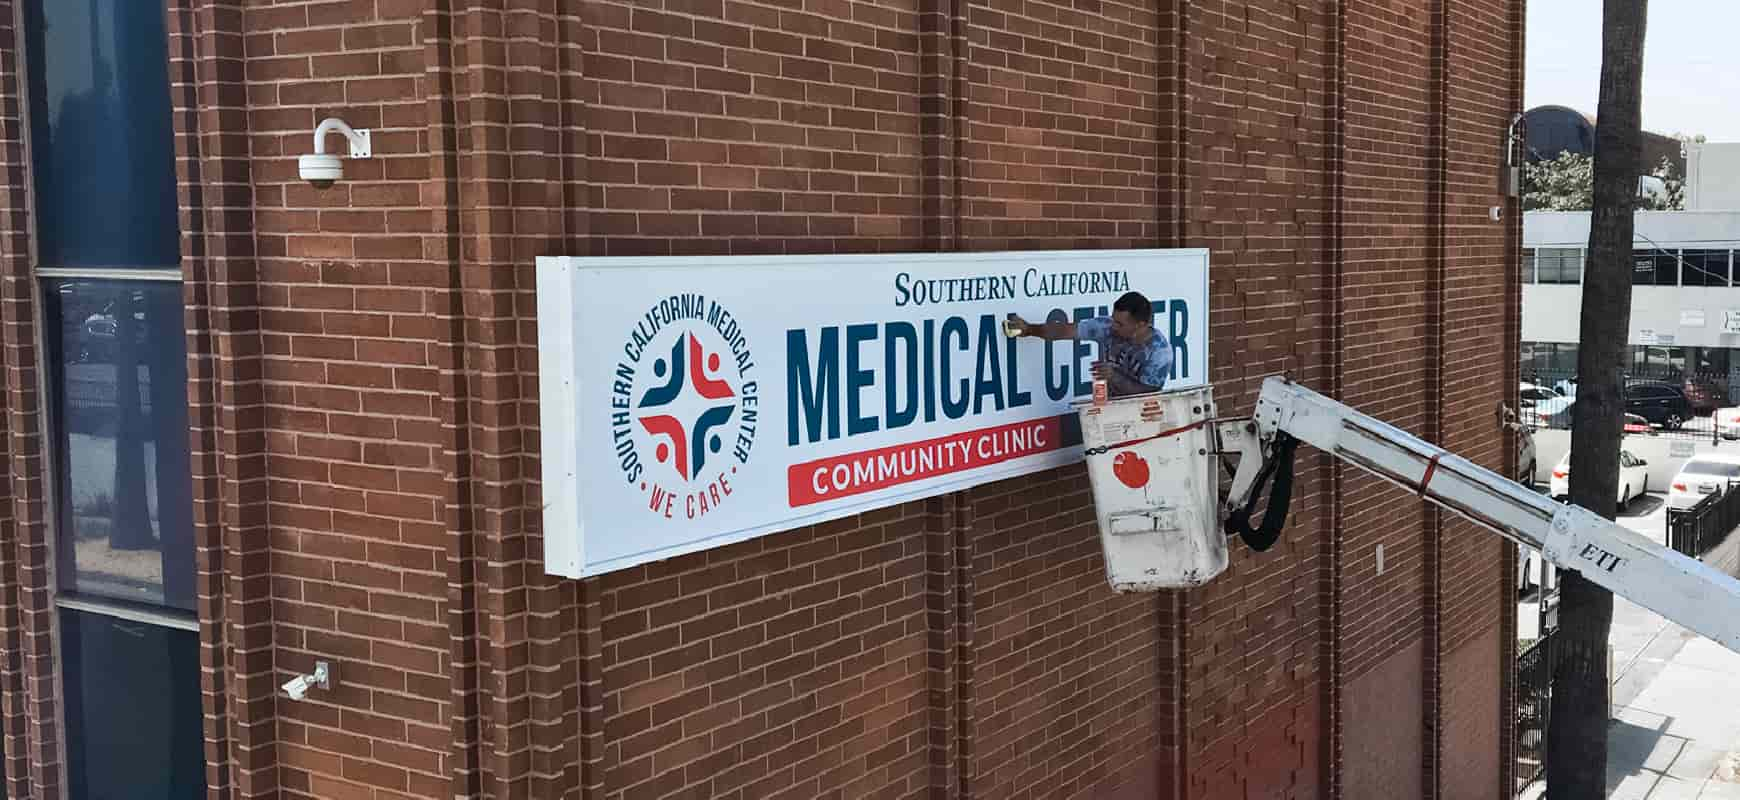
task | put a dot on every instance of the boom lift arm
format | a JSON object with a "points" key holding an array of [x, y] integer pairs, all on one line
{"points": [[1682, 589]]}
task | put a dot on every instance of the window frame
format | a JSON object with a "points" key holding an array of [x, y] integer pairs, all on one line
{"points": [[1727, 260], [1656, 256], [1559, 255], [55, 529], [41, 277], [60, 460]]}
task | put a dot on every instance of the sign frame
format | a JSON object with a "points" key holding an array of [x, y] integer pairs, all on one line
{"points": [[566, 405]]}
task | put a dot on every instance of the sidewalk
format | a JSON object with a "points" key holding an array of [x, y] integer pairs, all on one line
{"points": [[1676, 696]]}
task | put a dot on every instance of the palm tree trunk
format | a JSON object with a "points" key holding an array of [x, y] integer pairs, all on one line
{"points": [[1577, 733], [130, 527]]}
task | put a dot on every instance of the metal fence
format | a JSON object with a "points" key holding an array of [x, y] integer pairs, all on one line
{"points": [[1664, 402], [1534, 685], [1697, 530]]}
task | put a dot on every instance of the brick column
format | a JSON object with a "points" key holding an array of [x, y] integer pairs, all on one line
{"points": [[228, 440], [29, 691], [498, 140]]}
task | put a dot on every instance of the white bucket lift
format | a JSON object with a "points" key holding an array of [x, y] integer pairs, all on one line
{"points": [[1154, 494], [1153, 461]]}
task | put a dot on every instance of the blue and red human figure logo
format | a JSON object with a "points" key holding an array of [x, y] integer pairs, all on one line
{"points": [[693, 410], [688, 445]]}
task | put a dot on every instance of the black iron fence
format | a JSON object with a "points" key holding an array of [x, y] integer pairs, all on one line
{"points": [[1534, 684], [1658, 402], [1697, 530]]}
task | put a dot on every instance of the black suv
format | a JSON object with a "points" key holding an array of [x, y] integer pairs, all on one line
{"points": [[1662, 404]]}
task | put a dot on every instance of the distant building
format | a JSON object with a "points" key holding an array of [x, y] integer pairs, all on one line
{"points": [[1685, 298], [1712, 176], [1556, 129]]}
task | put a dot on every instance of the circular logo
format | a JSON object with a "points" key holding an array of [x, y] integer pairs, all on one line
{"points": [[684, 407]]}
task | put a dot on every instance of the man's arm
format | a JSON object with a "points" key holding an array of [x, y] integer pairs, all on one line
{"points": [[1150, 378], [1119, 385], [1093, 329], [1049, 331]]}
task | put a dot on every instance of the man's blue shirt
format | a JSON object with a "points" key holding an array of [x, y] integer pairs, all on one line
{"points": [[1148, 364]]}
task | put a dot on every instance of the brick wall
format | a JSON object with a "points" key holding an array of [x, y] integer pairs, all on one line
{"points": [[1257, 177], [365, 419]]}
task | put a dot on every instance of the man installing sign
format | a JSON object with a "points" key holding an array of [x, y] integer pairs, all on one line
{"points": [[1133, 360]]}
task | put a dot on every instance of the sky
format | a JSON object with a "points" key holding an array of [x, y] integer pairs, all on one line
{"points": [[1691, 63]]}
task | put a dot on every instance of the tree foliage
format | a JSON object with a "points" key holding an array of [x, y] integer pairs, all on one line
{"points": [[1567, 183]]}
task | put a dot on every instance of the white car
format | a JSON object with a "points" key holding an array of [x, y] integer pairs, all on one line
{"points": [[1531, 394], [1727, 422], [1633, 477], [1711, 473], [1551, 413]]}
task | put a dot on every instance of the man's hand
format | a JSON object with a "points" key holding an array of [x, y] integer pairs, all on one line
{"points": [[1121, 385], [1019, 326], [1049, 331]]}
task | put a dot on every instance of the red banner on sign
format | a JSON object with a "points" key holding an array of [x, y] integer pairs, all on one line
{"points": [[867, 471]]}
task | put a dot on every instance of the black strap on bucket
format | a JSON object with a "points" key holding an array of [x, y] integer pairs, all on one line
{"points": [[1279, 467]]}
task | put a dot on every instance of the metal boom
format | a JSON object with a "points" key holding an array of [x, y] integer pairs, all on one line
{"points": [[1679, 588]]}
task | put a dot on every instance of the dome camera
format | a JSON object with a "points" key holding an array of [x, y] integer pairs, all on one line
{"points": [[323, 169], [320, 169]]}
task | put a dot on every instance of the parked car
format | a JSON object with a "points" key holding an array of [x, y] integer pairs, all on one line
{"points": [[1638, 425], [1525, 459], [1528, 568], [1551, 413], [1727, 422], [1705, 395], [1662, 404], [1525, 456], [1711, 473], [1531, 394], [1633, 478]]}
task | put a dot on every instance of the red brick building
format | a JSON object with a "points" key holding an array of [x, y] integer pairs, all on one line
{"points": [[360, 418]]}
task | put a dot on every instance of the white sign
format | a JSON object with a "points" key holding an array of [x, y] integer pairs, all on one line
{"points": [[1681, 448], [688, 403], [1731, 321], [1692, 317]]}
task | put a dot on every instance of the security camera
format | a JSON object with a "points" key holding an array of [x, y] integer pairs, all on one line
{"points": [[323, 169], [297, 688]]}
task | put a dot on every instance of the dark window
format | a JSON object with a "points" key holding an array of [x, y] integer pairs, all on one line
{"points": [[1559, 265], [134, 727], [1708, 361], [1654, 268], [1720, 469], [1528, 265], [103, 171], [102, 146], [1548, 362], [1704, 268], [121, 379], [1652, 393]]}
